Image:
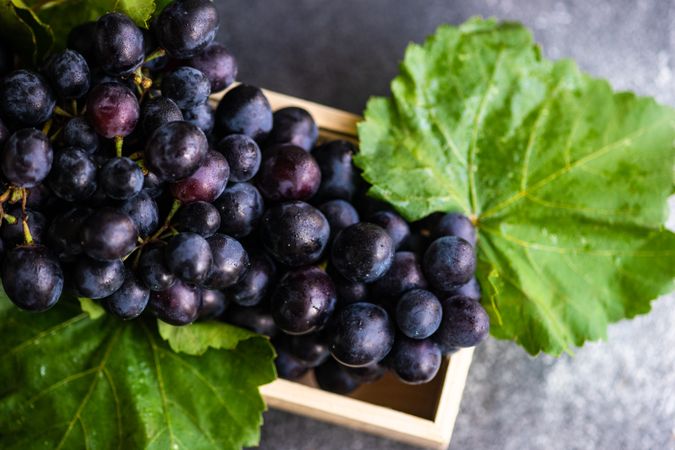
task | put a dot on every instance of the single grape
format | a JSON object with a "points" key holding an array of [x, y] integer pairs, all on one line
{"points": [[217, 64], [362, 252], [27, 158], [68, 72], [197, 217], [185, 28], [348, 291], [230, 262], [465, 323], [243, 155], [121, 178], [393, 224], [98, 279], [41, 198], [288, 173], [288, 366], [455, 224], [187, 87], [143, 211], [112, 110], [361, 334], [177, 305], [470, 289], [12, 233], [294, 126], [25, 99], [241, 207], [254, 318], [339, 214], [207, 183], [108, 234], [202, 116], [188, 255], [153, 271], [175, 150], [78, 133], [334, 377], [129, 301], [73, 175], [338, 174], [311, 349], [158, 111], [254, 285], [153, 185], [367, 374], [415, 361], [81, 39], [295, 233], [213, 304], [63, 234], [418, 314], [244, 110], [448, 263], [32, 277], [404, 274], [119, 44], [303, 301]]}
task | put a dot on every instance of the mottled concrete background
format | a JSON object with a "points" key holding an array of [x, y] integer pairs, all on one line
{"points": [[614, 395]]}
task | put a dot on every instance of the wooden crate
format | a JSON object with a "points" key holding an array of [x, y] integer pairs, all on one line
{"points": [[421, 415]]}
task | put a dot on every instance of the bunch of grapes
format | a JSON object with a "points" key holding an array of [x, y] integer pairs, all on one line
{"points": [[122, 184]]}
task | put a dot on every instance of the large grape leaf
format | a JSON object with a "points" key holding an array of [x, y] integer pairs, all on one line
{"points": [[24, 31], [73, 382], [566, 180]]}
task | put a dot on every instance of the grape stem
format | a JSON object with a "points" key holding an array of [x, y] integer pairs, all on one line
{"points": [[154, 55], [73, 106], [159, 234], [47, 126], [62, 112], [119, 145], [26, 230]]}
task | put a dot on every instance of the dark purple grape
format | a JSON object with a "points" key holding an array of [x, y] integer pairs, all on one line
{"points": [[465, 323], [112, 110], [108, 234], [294, 126], [295, 233], [121, 178], [12, 233], [339, 214], [81, 39], [158, 111], [41, 198], [362, 252], [415, 361], [153, 185], [455, 224], [217, 64], [188, 255], [207, 183], [25, 99], [244, 110], [448, 263], [338, 174], [303, 301], [288, 366], [243, 155], [78, 133], [175, 150], [129, 301], [186, 27], [311, 349], [255, 319], [334, 377], [98, 279], [177, 305], [230, 262], [393, 224], [202, 116], [288, 173], [27, 158], [471, 290], [144, 213], [361, 335], [119, 44], [241, 207], [32, 277], [367, 374], [186, 86], [63, 234], [73, 175], [153, 271], [254, 285], [198, 217], [347, 291], [213, 304], [68, 72], [404, 274], [418, 314]]}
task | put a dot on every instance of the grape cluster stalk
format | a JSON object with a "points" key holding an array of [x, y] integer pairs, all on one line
{"points": [[121, 183]]}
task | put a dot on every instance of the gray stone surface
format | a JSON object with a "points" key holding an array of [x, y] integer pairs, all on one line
{"points": [[618, 394]]}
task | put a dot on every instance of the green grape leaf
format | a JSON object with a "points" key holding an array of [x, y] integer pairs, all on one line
{"points": [[198, 338], [73, 382], [566, 179], [27, 34]]}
